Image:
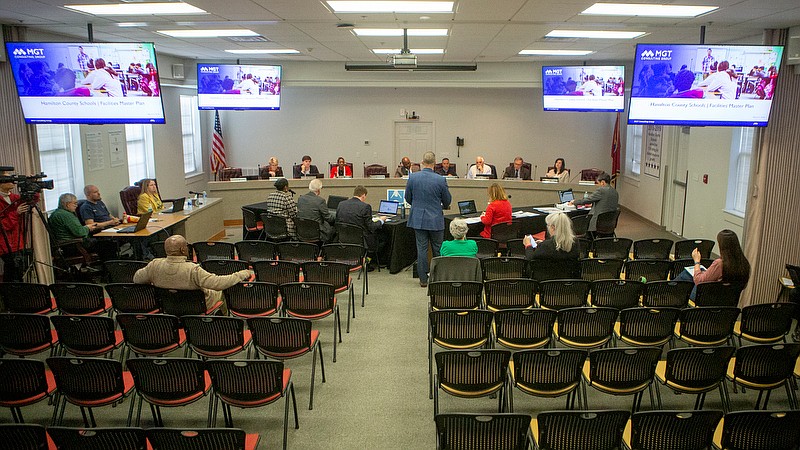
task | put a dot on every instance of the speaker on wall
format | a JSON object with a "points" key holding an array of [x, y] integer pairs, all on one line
{"points": [[177, 71]]}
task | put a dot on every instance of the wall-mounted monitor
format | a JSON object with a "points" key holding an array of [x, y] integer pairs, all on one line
{"points": [[238, 86], [724, 85], [87, 83], [583, 88]]}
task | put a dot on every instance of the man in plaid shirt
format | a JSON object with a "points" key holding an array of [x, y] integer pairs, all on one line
{"points": [[280, 203], [707, 62]]}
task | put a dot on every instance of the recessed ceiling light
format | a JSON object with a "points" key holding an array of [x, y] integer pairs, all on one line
{"points": [[390, 7], [416, 51], [399, 32], [207, 33], [277, 51], [138, 9], [639, 9], [556, 52], [590, 34], [131, 24]]}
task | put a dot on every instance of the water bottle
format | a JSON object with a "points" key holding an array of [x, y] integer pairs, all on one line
{"points": [[585, 194], [205, 197]]}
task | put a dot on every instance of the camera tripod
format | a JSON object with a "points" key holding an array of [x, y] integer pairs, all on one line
{"points": [[24, 259]]}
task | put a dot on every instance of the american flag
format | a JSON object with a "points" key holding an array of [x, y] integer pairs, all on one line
{"points": [[217, 156], [615, 151]]}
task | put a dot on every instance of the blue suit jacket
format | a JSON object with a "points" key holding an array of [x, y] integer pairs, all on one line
{"points": [[428, 195]]}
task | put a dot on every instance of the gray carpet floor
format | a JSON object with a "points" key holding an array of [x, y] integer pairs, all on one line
{"points": [[376, 394]]}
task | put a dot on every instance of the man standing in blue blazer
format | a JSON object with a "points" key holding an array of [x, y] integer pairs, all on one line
{"points": [[428, 195]]}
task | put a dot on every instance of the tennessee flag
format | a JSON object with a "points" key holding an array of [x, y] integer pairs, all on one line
{"points": [[217, 156], [615, 149]]}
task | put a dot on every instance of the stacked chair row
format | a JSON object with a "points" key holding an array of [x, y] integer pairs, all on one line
{"points": [[35, 437], [614, 429], [161, 382]]}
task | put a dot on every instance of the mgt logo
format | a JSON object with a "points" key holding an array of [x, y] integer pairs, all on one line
{"points": [[553, 71], [658, 55], [28, 52], [206, 69]]}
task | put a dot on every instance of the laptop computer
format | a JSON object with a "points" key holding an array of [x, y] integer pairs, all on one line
{"points": [[388, 208], [334, 200], [565, 196], [467, 208], [140, 225], [177, 206]]}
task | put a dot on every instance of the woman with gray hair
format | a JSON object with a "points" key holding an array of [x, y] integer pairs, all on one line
{"points": [[561, 248], [459, 246]]}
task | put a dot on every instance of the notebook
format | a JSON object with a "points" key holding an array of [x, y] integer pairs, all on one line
{"points": [[177, 206], [140, 225], [565, 196], [467, 207]]}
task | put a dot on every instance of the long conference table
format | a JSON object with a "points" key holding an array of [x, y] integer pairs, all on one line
{"points": [[401, 251]]}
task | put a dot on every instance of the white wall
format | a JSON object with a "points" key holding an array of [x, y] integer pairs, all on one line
{"points": [[106, 178], [498, 123]]}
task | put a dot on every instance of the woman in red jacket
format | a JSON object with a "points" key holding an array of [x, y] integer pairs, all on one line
{"points": [[498, 211]]}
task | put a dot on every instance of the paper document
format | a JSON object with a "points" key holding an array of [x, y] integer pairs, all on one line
{"points": [[690, 269], [787, 282], [519, 214], [471, 220], [549, 210]]}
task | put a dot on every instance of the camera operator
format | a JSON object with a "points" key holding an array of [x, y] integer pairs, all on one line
{"points": [[11, 239]]}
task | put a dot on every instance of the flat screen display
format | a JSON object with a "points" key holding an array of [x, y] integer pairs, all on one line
{"points": [[238, 86], [87, 83], [583, 88], [725, 85]]}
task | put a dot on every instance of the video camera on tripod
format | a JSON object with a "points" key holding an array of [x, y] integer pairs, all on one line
{"points": [[27, 185]]}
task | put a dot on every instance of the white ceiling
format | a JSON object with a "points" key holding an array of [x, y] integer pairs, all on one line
{"points": [[479, 30]]}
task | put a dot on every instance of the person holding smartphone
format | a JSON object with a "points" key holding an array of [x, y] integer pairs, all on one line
{"points": [[562, 247]]}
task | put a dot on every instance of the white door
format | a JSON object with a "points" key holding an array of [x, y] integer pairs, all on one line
{"points": [[412, 139], [679, 177]]}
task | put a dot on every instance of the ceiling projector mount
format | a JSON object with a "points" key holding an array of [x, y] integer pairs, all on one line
{"points": [[406, 61]]}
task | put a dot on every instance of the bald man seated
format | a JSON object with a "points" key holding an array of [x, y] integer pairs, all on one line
{"points": [[175, 272]]}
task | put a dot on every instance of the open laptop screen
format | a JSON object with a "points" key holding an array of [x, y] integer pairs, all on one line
{"points": [[334, 200], [388, 207], [565, 196], [467, 207]]}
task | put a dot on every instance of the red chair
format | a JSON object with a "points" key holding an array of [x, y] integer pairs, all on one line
{"points": [[313, 301], [216, 337], [286, 338], [253, 227], [336, 274], [31, 298], [98, 438], [24, 436], [26, 334], [252, 384], [80, 298], [25, 382], [201, 438], [256, 299], [169, 382], [87, 335], [180, 302], [90, 383], [133, 298], [151, 334]]}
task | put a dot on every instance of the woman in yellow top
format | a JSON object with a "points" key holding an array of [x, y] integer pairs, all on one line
{"points": [[149, 199]]}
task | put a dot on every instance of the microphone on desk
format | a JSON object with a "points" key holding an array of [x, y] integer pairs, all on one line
{"points": [[572, 180], [535, 171], [293, 192], [195, 193]]}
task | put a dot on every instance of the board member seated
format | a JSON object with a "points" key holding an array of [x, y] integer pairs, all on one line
{"points": [[404, 169], [341, 169], [498, 211], [149, 200], [479, 168], [272, 169], [517, 170], [65, 226], [305, 168], [94, 211], [459, 246], [559, 170], [445, 169]]}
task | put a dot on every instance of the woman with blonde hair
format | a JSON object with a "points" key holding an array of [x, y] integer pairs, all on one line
{"points": [[498, 211], [562, 247], [149, 200], [459, 246], [273, 169]]}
